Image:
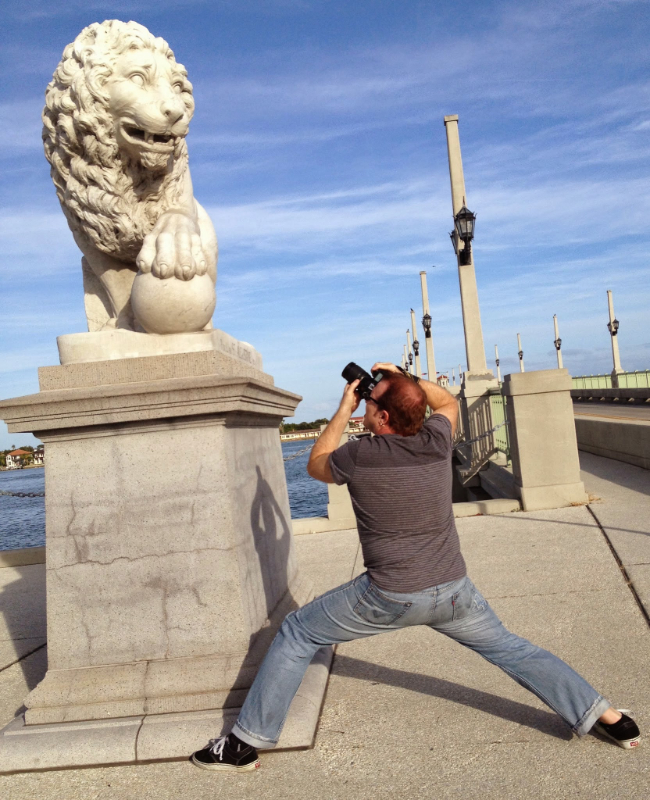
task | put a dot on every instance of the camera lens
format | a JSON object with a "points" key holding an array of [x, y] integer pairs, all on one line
{"points": [[354, 372]]}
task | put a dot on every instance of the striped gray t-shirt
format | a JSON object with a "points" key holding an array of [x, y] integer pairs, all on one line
{"points": [[401, 495]]}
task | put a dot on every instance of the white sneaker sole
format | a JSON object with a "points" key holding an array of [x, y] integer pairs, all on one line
{"points": [[626, 744], [226, 767]]}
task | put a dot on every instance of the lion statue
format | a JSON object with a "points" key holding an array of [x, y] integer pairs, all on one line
{"points": [[116, 115]]}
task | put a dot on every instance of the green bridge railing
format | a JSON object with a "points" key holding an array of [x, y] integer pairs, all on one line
{"points": [[626, 380]]}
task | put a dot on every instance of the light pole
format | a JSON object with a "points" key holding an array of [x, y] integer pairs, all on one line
{"points": [[453, 377], [406, 359], [416, 346], [426, 324], [461, 238], [613, 326], [409, 351], [496, 357], [557, 343], [520, 354]]}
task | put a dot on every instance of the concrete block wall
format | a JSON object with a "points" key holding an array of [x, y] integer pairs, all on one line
{"points": [[627, 441]]}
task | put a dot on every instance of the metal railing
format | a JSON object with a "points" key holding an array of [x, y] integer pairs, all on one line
{"points": [[500, 423], [634, 380], [487, 434], [640, 379]]}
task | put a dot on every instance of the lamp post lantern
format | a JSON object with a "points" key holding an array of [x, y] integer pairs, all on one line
{"points": [[464, 223], [520, 354], [496, 357], [557, 343], [426, 324], [406, 359], [461, 238], [416, 346], [613, 326]]}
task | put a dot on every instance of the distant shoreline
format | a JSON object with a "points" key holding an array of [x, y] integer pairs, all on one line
{"points": [[17, 469]]}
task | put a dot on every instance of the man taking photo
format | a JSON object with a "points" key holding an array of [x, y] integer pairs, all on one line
{"points": [[400, 482]]}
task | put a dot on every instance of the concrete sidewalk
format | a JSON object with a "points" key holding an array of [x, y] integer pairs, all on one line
{"points": [[413, 715], [623, 511]]}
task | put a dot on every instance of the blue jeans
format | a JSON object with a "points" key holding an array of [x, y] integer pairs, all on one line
{"points": [[359, 609]]}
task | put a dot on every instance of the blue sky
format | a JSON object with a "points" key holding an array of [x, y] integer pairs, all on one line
{"points": [[318, 148]]}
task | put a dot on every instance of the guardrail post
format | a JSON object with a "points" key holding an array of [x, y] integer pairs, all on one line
{"points": [[543, 444]]}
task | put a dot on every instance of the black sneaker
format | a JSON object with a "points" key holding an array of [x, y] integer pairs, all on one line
{"points": [[227, 754], [625, 732]]}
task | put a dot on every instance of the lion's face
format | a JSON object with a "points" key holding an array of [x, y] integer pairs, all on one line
{"points": [[145, 100], [116, 115]]}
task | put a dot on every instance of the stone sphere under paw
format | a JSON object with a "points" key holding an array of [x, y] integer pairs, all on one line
{"points": [[170, 305]]}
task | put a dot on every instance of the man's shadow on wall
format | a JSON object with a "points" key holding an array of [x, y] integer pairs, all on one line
{"points": [[273, 551], [272, 537]]}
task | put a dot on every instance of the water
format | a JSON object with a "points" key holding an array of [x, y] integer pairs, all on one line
{"points": [[22, 519], [307, 497]]}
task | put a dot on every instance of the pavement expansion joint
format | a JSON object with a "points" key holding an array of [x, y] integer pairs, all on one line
{"points": [[22, 658], [621, 567]]}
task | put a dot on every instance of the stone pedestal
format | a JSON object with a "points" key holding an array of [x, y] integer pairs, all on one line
{"points": [[543, 442], [169, 554]]}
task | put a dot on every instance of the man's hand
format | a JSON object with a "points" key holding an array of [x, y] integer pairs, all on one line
{"points": [[350, 400], [173, 248], [384, 367], [319, 465]]}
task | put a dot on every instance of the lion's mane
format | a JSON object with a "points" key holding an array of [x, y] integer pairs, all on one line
{"points": [[105, 195]]}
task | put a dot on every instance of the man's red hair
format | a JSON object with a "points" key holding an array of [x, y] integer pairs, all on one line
{"points": [[405, 402]]}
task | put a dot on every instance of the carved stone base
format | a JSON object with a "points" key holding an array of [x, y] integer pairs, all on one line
{"points": [[157, 686], [169, 550], [160, 737]]}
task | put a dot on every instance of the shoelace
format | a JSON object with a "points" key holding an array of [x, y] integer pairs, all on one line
{"points": [[217, 745]]}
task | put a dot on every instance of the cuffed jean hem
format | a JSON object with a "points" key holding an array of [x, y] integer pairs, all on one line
{"points": [[592, 716], [251, 739]]}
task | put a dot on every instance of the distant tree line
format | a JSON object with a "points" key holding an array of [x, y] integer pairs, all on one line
{"points": [[302, 426]]}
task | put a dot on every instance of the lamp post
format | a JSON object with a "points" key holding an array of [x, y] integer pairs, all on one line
{"points": [[453, 377], [409, 351], [520, 354], [461, 238], [406, 359], [613, 326], [496, 357], [416, 346], [426, 324], [557, 343]]}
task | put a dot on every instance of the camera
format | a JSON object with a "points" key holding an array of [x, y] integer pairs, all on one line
{"points": [[367, 383]]}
